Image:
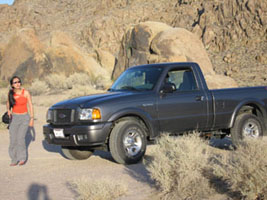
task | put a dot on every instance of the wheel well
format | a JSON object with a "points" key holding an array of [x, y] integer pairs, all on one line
{"points": [[147, 131], [255, 110], [252, 109]]}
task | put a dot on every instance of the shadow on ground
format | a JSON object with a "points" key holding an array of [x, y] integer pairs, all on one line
{"points": [[139, 172], [52, 148], [38, 191], [104, 154], [29, 138], [225, 143]]}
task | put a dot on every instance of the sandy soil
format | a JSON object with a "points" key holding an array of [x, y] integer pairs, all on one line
{"points": [[47, 173]]}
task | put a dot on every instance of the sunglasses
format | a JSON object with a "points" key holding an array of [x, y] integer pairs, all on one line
{"points": [[16, 82]]}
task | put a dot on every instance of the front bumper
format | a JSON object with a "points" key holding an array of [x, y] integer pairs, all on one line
{"points": [[78, 135]]}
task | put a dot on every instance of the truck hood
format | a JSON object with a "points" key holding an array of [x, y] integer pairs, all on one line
{"points": [[92, 100]]}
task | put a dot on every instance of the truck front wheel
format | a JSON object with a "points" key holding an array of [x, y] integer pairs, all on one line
{"points": [[75, 153], [127, 141], [246, 126]]}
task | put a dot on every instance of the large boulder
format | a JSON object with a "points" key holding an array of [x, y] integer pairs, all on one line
{"points": [[106, 60], [26, 56], [65, 55], [135, 45], [154, 42], [23, 56], [1, 51], [178, 44], [67, 58]]}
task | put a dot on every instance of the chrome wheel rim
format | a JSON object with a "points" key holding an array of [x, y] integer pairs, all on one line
{"points": [[132, 142], [251, 130]]}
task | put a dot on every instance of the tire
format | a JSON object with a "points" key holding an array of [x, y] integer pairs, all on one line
{"points": [[127, 141], [76, 154], [246, 126]]}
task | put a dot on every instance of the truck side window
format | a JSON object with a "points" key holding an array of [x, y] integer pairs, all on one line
{"points": [[184, 80]]}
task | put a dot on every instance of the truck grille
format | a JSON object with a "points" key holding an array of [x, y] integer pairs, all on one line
{"points": [[63, 116]]}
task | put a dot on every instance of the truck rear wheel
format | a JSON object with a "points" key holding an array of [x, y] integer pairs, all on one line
{"points": [[127, 141], [246, 126], [76, 154]]}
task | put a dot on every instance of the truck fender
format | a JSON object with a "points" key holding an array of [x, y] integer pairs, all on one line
{"points": [[153, 129], [250, 102]]}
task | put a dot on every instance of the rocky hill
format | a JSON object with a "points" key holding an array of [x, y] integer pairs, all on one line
{"points": [[234, 33]]}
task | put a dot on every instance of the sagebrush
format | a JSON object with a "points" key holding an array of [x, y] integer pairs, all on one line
{"points": [[56, 81], [81, 90], [77, 84], [178, 165], [38, 87], [81, 79], [188, 168], [245, 169], [99, 189], [3, 96]]}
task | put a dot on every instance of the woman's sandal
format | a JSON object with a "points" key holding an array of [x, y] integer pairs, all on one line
{"points": [[21, 162], [13, 164]]}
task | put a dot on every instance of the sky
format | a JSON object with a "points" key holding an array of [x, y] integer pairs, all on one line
{"points": [[9, 2]]}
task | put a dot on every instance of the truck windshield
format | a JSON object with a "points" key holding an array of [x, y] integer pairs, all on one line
{"points": [[137, 79]]}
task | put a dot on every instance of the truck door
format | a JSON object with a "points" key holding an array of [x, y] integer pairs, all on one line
{"points": [[186, 107]]}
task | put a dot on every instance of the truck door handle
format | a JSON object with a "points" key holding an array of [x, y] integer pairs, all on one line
{"points": [[199, 98]]}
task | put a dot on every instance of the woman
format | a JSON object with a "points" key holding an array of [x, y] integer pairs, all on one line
{"points": [[19, 100]]}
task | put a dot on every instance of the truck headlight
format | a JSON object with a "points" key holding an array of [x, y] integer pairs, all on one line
{"points": [[49, 116], [90, 114]]}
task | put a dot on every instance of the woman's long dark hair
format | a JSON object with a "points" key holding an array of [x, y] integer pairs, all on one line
{"points": [[11, 98]]}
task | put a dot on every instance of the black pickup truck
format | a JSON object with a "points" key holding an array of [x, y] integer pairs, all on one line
{"points": [[148, 100]]}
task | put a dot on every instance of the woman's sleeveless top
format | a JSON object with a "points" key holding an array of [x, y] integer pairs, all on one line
{"points": [[20, 103]]}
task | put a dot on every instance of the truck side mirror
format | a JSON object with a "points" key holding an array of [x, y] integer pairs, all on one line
{"points": [[168, 88]]}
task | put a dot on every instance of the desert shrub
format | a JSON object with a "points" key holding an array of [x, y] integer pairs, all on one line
{"points": [[82, 90], [78, 79], [47, 100], [38, 87], [101, 83], [56, 81], [245, 169], [4, 84], [99, 189], [177, 167], [3, 96], [60, 82], [97, 82]]}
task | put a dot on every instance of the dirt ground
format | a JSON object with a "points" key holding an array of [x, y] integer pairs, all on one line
{"points": [[47, 174]]}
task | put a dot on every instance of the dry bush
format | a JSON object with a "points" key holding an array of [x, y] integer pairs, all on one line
{"points": [[82, 90], [38, 87], [56, 81], [79, 84], [4, 84], [78, 79], [3, 96], [47, 100], [101, 83], [245, 169], [177, 167], [99, 189], [97, 82]]}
